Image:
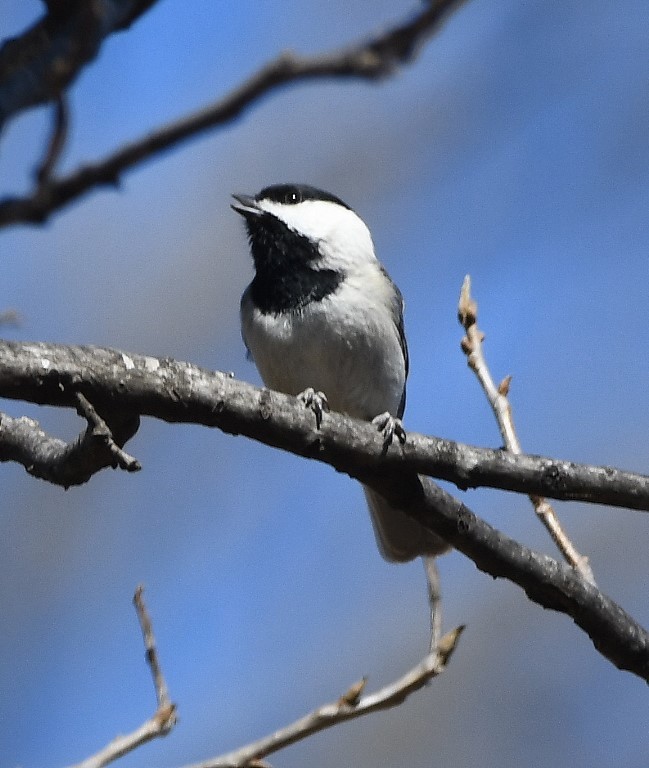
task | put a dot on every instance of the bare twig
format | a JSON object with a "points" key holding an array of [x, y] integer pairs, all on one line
{"points": [[100, 430], [369, 60], [350, 705], [164, 718], [162, 693], [434, 601], [499, 401]]}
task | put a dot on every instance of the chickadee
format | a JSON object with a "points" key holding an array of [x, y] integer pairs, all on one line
{"points": [[321, 315]]}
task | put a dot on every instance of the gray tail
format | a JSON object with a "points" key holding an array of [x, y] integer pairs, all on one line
{"points": [[399, 537]]}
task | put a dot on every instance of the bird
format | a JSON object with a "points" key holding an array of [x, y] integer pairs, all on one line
{"points": [[322, 320]]}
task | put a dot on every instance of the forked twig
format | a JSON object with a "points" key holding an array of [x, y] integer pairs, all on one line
{"points": [[100, 430], [497, 397], [350, 705], [370, 59], [164, 718]]}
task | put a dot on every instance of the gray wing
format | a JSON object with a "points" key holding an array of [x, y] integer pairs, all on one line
{"points": [[244, 309], [399, 536], [397, 316]]}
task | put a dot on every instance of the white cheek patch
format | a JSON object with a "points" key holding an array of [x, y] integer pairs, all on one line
{"points": [[313, 218], [342, 237]]}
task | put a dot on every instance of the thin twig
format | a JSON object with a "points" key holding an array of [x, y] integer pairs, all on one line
{"points": [[162, 693], [101, 430], [499, 401], [164, 718], [350, 705], [434, 601]]}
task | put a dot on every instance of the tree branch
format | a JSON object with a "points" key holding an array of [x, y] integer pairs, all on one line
{"points": [[179, 392], [40, 64], [163, 719], [352, 704], [46, 457], [57, 141], [498, 397], [369, 60], [349, 706], [125, 385], [551, 584]]}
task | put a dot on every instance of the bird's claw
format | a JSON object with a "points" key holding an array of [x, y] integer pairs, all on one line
{"points": [[391, 427], [316, 401]]}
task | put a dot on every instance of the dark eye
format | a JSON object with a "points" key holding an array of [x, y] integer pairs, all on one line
{"points": [[293, 198]]}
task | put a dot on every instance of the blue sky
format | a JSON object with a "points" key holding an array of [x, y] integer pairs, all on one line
{"points": [[513, 149]]}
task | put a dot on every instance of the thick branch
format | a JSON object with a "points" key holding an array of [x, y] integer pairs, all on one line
{"points": [[370, 60], [546, 581], [130, 385], [40, 64], [180, 392]]}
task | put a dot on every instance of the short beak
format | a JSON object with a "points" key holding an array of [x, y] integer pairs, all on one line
{"points": [[246, 205]]}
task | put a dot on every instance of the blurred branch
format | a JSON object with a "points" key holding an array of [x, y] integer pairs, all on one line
{"points": [[37, 66], [500, 405], [373, 59], [434, 600], [349, 706], [125, 385], [180, 392], [10, 317], [163, 719], [56, 142]]}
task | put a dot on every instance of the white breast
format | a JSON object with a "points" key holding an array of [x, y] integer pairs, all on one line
{"points": [[346, 346]]}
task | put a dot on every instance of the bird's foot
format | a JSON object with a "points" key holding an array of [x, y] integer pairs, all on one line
{"points": [[316, 401], [391, 427]]}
